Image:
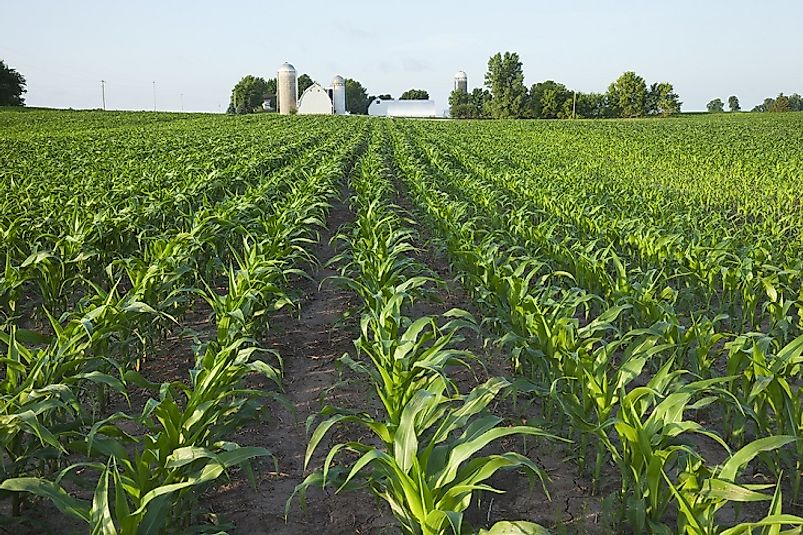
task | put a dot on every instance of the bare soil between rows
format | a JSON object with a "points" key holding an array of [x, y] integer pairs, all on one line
{"points": [[310, 343]]}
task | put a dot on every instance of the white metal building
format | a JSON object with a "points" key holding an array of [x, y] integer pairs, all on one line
{"points": [[402, 108]]}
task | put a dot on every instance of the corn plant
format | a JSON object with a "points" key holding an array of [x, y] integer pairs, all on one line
{"points": [[428, 468]]}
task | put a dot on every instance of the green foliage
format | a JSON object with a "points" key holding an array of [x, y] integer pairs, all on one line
{"points": [[505, 80], [781, 103], [733, 103], [662, 100], [715, 106], [356, 98], [414, 94], [549, 100], [247, 96], [642, 276], [472, 105], [230, 215], [627, 96], [303, 82], [12, 86]]}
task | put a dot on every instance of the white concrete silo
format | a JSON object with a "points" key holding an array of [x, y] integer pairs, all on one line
{"points": [[339, 95], [287, 89], [461, 82]]}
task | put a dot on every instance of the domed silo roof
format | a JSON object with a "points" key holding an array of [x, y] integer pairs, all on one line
{"points": [[286, 67], [461, 75], [338, 80]]}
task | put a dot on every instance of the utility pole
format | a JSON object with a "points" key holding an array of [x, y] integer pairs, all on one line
{"points": [[154, 95], [181, 96], [103, 93], [574, 105]]}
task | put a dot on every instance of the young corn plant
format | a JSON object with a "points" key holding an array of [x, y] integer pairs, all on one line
{"points": [[428, 468], [702, 491]]}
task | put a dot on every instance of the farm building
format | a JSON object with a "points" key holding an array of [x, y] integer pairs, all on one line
{"points": [[402, 108], [319, 100], [316, 99]]}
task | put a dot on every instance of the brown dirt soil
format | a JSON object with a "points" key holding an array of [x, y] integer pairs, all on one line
{"points": [[310, 342]]}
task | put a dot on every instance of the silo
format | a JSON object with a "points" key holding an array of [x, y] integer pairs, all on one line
{"points": [[286, 86], [461, 82], [339, 95]]}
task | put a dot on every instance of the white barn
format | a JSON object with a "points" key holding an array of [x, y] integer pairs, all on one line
{"points": [[402, 108], [319, 100]]}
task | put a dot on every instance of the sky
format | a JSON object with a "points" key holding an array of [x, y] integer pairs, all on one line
{"points": [[196, 51]]}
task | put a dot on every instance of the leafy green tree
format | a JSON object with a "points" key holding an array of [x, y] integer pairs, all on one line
{"points": [[247, 96], [764, 106], [469, 105], [548, 100], [414, 94], [505, 79], [356, 97], [795, 102], [303, 82], [628, 95], [662, 100], [12, 86], [592, 105], [780, 104], [480, 99], [715, 106], [460, 107], [733, 103]]}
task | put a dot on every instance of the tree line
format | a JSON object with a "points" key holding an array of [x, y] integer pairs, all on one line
{"points": [[506, 97], [781, 103]]}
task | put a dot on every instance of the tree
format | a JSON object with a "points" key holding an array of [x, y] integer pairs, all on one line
{"points": [[414, 94], [480, 99], [548, 100], [662, 99], [764, 106], [592, 105], [733, 103], [303, 82], [247, 96], [505, 79], [795, 102], [780, 104], [472, 105], [356, 97], [12, 86], [628, 95], [460, 107], [715, 106]]}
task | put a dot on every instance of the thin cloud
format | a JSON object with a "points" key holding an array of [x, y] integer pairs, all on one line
{"points": [[414, 65], [353, 32]]}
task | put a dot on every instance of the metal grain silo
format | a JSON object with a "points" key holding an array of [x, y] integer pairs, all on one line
{"points": [[286, 87], [339, 95], [461, 82]]}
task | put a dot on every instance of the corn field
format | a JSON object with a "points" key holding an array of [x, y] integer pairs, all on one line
{"points": [[615, 303]]}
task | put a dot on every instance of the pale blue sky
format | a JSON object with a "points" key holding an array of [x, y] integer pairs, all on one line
{"points": [[200, 49]]}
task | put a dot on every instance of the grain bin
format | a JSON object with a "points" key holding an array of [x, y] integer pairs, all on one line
{"points": [[286, 86], [339, 95], [461, 82]]}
